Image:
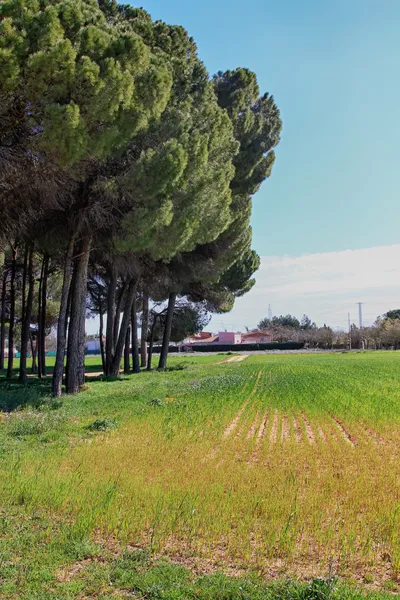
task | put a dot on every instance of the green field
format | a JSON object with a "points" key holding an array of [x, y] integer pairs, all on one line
{"points": [[273, 467]]}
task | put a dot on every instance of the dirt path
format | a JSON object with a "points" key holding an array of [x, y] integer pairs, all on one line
{"points": [[233, 359]]}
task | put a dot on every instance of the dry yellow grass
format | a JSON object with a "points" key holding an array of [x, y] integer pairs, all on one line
{"points": [[277, 474]]}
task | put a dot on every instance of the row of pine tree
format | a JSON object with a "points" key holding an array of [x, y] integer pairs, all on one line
{"points": [[126, 178]]}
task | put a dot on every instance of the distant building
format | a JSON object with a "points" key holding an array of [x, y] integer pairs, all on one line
{"points": [[223, 337], [229, 337], [6, 350], [199, 337], [257, 337], [93, 345]]}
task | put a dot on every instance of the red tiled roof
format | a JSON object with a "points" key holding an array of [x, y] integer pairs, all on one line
{"points": [[208, 340], [256, 334]]}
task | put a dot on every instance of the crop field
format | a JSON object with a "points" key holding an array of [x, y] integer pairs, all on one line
{"points": [[282, 465]]}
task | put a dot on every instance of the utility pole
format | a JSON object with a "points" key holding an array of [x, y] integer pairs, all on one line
{"points": [[269, 312], [360, 322], [348, 317], [360, 314]]}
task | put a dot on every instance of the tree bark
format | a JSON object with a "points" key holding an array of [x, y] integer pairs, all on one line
{"points": [[42, 323], [117, 318], [33, 352], [24, 277], [135, 349], [26, 319], [11, 330], [39, 318], [62, 320], [68, 314], [145, 327], [82, 336], [130, 296], [150, 352], [76, 331], [3, 318], [126, 351], [167, 331], [101, 336], [110, 347], [70, 288]]}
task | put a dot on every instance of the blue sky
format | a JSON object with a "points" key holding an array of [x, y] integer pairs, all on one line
{"points": [[333, 67]]}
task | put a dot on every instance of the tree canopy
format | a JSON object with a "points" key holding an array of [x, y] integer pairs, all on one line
{"points": [[126, 174]]}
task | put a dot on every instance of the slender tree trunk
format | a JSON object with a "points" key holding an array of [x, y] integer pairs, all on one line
{"points": [[70, 288], [34, 357], [135, 349], [130, 296], [101, 336], [62, 320], [120, 304], [24, 278], [69, 304], [11, 329], [76, 331], [145, 327], [26, 320], [3, 319], [150, 352], [126, 351], [167, 331], [42, 324], [110, 347], [82, 328], [33, 353], [39, 319]]}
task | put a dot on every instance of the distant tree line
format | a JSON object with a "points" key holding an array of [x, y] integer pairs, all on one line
{"points": [[126, 180], [383, 334]]}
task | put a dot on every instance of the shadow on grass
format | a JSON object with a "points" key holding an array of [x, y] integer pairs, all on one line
{"points": [[36, 392], [15, 395]]}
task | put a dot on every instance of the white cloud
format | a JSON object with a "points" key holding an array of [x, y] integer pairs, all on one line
{"points": [[325, 286]]}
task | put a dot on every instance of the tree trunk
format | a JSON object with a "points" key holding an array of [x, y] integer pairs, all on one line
{"points": [[11, 329], [126, 351], [82, 335], [117, 318], [62, 320], [110, 347], [70, 288], [150, 352], [3, 319], [145, 326], [26, 319], [167, 331], [24, 277], [76, 331], [33, 352], [130, 296], [135, 349], [68, 314], [101, 336], [42, 323], [34, 357], [39, 318]]}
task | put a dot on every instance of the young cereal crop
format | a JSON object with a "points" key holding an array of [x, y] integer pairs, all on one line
{"points": [[288, 464]]}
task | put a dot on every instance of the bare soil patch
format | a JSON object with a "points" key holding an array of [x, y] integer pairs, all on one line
{"points": [[297, 430], [274, 429], [309, 431], [346, 434]]}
